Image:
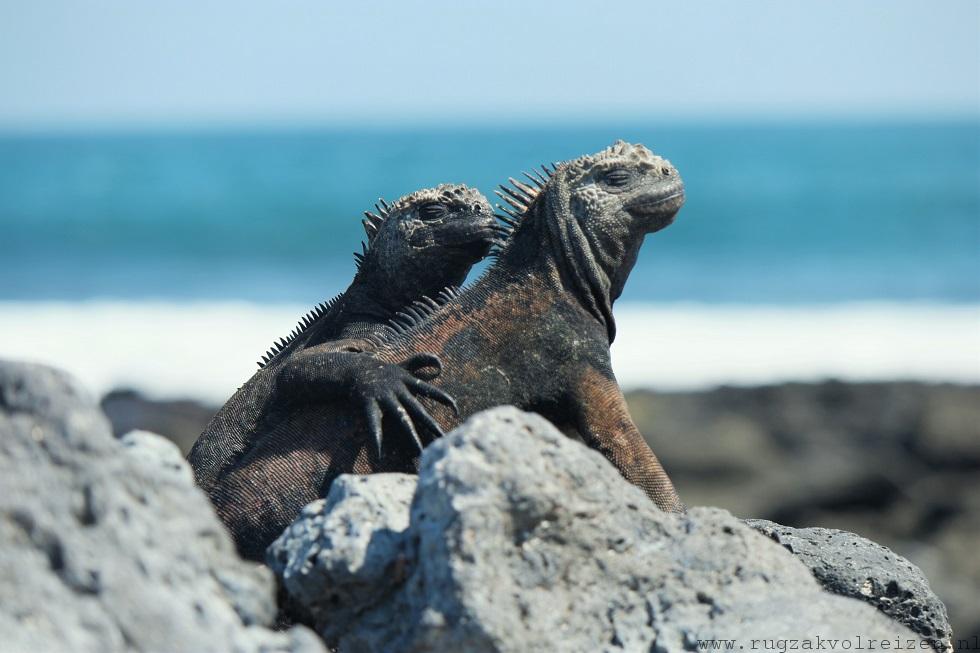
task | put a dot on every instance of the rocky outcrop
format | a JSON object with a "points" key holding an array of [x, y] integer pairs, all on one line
{"points": [[108, 545], [850, 565], [513, 538], [519, 539], [897, 462], [356, 538], [798, 454]]}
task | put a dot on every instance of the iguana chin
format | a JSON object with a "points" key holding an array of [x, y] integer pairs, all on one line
{"points": [[533, 331], [421, 246]]}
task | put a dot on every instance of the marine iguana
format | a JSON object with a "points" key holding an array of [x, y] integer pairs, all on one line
{"points": [[421, 246], [533, 331]]}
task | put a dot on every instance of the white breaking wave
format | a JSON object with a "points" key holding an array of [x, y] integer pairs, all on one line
{"points": [[691, 346], [205, 350]]}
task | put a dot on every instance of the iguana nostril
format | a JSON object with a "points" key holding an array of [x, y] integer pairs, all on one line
{"points": [[666, 171]]}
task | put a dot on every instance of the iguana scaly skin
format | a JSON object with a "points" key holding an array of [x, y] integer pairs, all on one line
{"points": [[416, 247], [533, 331]]}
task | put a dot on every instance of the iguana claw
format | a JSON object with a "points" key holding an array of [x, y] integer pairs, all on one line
{"points": [[391, 391]]}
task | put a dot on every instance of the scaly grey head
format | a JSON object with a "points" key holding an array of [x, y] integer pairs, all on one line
{"points": [[624, 185], [591, 214], [427, 240]]}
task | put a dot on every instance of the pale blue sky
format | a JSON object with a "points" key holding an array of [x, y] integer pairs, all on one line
{"points": [[125, 62]]}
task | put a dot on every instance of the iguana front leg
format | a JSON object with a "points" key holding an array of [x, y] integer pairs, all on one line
{"points": [[341, 369], [604, 422]]}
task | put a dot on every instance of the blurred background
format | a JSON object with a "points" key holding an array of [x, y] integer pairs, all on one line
{"points": [[179, 182]]}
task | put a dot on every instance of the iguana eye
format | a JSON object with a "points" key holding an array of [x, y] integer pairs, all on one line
{"points": [[432, 211], [617, 177]]}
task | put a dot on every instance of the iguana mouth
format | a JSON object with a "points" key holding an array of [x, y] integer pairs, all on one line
{"points": [[656, 205], [476, 238], [478, 249]]}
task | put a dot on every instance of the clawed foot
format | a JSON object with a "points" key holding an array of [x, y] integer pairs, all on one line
{"points": [[391, 390]]}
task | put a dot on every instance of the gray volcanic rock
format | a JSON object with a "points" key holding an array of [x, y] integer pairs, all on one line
{"points": [[158, 453], [850, 565], [795, 453], [897, 462], [107, 546], [178, 420], [343, 553], [519, 539]]}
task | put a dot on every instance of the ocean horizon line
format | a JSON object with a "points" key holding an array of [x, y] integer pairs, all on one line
{"points": [[448, 124]]}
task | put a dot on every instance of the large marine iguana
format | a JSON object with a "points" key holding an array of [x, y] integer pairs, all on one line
{"points": [[421, 246], [533, 331]]}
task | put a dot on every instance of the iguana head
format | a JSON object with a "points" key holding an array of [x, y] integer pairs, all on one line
{"points": [[591, 214], [624, 188], [426, 241]]}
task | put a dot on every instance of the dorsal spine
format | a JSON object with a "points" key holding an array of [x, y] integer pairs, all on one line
{"points": [[301, 327]]}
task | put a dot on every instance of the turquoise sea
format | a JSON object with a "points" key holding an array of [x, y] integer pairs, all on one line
{"points": [[776, 214]]}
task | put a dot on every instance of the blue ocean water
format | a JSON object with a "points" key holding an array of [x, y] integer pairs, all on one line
{"points": [[784, 213]]}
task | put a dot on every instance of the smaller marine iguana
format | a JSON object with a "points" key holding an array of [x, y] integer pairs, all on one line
{"points": [[533, 331], [421, 246]]}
